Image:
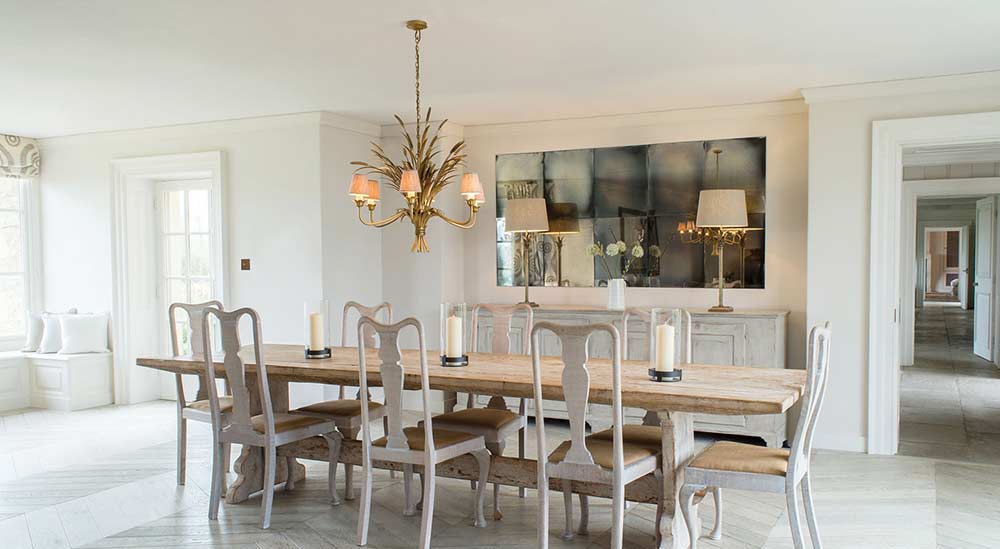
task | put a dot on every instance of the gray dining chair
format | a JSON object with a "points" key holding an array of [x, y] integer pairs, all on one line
{"points": [[585, 458], [197, 409], [425, 445], [346, 412], [741, 466], [266, 430]]}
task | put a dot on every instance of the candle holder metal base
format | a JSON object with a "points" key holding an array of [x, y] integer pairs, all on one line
{"points": [[454, 361], [665, 377], [318, 353], [721, 309]]}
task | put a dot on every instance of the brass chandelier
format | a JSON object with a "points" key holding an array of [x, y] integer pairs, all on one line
{"points": [[417, 177]]}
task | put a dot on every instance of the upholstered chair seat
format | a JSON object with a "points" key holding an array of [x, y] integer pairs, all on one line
{"points": [[742, 458], [603, 452], [415, 438], [285, 422], [479, 417], [225, 404], [338, 408], [649, 436]]}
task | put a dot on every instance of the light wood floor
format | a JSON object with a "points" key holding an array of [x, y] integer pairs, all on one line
{"points": [[87, 479]]}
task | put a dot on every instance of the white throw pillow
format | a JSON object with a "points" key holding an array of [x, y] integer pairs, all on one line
{"points": [[35, 330], [84, 334], [51, 334]]}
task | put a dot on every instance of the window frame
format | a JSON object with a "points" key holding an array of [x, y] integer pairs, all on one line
{"points": [[30, 258]]}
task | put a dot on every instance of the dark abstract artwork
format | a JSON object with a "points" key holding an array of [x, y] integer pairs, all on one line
{"points": [[640, 195]]}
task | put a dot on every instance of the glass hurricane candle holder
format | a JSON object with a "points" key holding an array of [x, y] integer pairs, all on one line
{"points": [[662, 345], [454, 335], [316, 320]]}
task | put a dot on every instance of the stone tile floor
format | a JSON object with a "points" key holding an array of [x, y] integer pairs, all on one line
{"points": [[950, 400]]}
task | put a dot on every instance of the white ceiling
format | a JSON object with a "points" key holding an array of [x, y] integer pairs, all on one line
{"points": [[86, 65]]}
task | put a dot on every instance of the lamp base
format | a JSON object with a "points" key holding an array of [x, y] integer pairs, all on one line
{"points": [[318, 353], [721, 309], [528, 303]]}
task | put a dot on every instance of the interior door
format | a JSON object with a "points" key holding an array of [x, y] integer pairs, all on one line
{"points": [[982, 343], [963, 266]]}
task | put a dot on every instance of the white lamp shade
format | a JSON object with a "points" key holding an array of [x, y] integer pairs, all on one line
{"points": [[359, 186], [471, 187], [722, 208], [526, 215], [409, 182]]}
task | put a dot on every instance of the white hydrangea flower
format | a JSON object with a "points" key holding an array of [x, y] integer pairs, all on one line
{"points": [[613, 249], [595, 250], [655, 251], [637, 251]]}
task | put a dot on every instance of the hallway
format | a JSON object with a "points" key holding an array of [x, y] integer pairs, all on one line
{"points": [[950, 400]]}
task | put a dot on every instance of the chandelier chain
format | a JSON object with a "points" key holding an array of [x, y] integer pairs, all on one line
{"points": [[416, 49]]}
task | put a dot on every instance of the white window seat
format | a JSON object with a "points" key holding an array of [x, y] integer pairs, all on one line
{"points": [[54, 381]]}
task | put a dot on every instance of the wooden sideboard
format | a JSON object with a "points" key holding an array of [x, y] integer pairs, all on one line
{"points": [[753, 338]]}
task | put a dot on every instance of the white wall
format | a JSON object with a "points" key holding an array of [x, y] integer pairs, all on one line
{"points": [[783, 123], [840, 141], [273, 177]]}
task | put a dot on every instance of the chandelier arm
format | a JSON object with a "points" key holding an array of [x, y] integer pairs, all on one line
{"points": [[473, 209], [371, 222]]}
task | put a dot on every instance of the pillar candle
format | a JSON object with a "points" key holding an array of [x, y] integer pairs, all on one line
{"points": [[664, 348], [316, 342], [454, 340]]}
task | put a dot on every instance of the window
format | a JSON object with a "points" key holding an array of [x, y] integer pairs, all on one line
{"points": [[14, 265], [186, 248]]}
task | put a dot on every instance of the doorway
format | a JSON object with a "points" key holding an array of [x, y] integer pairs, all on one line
{"points": [[944, 281], [892, 284], [169, 245]]}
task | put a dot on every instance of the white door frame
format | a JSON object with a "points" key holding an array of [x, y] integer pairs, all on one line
{"points": [[126, 171], [886, 269]]}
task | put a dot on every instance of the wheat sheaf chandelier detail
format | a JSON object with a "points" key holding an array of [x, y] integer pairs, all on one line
{"points": [[418, 177]]}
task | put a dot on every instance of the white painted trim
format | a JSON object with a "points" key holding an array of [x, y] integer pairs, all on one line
{"points": [[907, 86], [638, 120], [204, 165], [350, 124], [912, 190], [941, 157], [888, 139]]}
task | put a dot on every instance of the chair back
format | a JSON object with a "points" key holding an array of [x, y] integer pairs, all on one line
{"points": [[392, 373], [503, 316], [576, 387], [364, 310], [369, 334], [680, 319], [195, 312], [817, 376], [235, 370]]}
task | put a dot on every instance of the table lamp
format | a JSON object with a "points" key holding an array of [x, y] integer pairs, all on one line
{"points": [[723, 214], [528, 217], [562, 221]]}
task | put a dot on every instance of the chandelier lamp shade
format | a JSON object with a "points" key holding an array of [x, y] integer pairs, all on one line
{"points": [[421, 174]]}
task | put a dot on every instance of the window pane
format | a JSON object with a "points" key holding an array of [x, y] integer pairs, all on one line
{"points": [[177, 291], [10, 242], [10, 199], [174, 255], [198, 211], [12, 306], [173, 211], [201, 291], [199, 255]]}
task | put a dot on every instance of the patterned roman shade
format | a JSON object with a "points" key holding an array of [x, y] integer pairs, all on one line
{"points": [[19, 157]]}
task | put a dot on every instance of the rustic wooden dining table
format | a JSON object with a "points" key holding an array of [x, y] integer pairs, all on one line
{"points": [[726, 390]]}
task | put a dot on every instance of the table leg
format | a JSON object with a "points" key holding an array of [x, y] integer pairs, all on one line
{"points": [[678, 449], [249, 467], [449, 400]]}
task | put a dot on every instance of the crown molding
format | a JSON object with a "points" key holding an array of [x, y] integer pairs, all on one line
{"points": [[635, 120], [450, 129], [932, 84], [356, 125], [972, 153]]}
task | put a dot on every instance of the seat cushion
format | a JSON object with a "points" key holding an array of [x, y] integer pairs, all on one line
{"points": [[744, 458], [225, 405], [479, 417], [338, 408], [603, 452], [642, 435], [285, 422], [415, 438]]}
